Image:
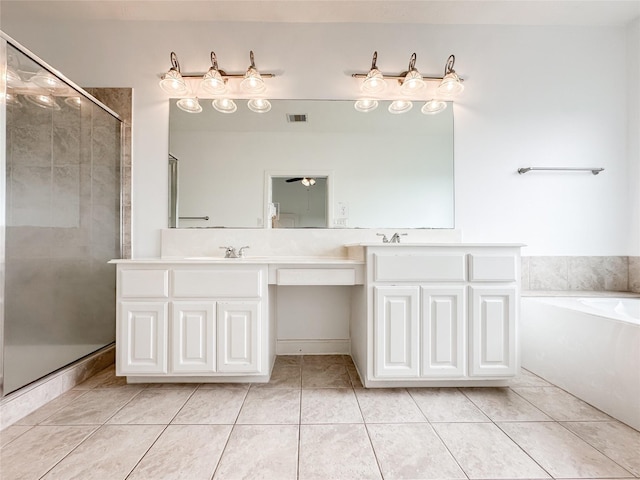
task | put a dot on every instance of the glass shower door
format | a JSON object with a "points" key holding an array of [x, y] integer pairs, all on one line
{"points": [[62, 214]]}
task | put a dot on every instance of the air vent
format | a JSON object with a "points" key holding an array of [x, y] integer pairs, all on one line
{"points": [[296, 117]]}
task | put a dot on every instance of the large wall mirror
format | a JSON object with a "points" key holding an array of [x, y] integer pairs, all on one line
{"points": [[370, 170]]}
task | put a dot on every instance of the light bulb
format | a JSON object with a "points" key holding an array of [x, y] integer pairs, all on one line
{"points": [[12, 100], [213, 83], [259, 105], [374, 82], [43, 101], [412, 82], [450, 85], [173, 83], [48, 81], [253, 82]]}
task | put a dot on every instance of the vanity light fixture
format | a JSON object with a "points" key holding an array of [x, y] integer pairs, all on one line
{"points": [[433, 106], [212, 81], [400, 106], [451, 84], [189, 105], [365, 105], [172, 81], [411, 84], [252, 82], [412, 81], [374, 82], [224, 105]]}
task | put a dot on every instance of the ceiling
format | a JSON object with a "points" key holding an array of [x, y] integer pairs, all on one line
{"points": [[461, 12]]}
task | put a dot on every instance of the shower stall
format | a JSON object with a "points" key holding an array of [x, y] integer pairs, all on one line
{"points": [[60, 213]]}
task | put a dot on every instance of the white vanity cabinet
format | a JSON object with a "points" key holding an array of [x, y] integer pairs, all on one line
{"points": [[192, 322], [436, 314]]}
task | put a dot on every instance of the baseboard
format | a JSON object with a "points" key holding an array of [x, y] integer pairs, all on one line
{"points": [[313, 347], [22, 402]]}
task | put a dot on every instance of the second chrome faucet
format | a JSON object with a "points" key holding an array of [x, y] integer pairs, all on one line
{"points": [[231, 252], [394, 239]]}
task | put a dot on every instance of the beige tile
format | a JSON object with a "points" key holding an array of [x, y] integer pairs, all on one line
{"points": [[271, 406], [184, 452], [325, 360], [9, 434], [288, 361], [412, 451], [388, 405], [50, 408], [527, 379], [283, 376], [152, 406], [219, 405], [504, 405], [336, 452], [32, 454], [446, 405], [187, 387], [549, 273], [354, 376], [560, 452], [94, 407], [110, 453], [104, 379], [330, 405], [260, 452], [214, 385], [616, 440], [483, 451], [560, 405], [331, 376]]}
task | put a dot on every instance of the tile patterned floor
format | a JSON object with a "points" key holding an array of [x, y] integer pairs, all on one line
{"points": [[315, 421]]}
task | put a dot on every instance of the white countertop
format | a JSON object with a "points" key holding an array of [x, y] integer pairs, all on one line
{"points": [[450, 244], [244, 261]]}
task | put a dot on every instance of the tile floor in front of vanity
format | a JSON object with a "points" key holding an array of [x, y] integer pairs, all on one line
{"points": [[315, 421]]}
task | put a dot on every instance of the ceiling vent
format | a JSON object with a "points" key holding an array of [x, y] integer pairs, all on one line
{"points": [[296, 117]]}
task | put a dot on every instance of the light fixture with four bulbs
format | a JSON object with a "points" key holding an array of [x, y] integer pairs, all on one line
{"points": [[214, 83], [411, 84]]}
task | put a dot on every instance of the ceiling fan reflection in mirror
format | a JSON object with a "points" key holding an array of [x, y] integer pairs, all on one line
{"points": [[306, 181]]}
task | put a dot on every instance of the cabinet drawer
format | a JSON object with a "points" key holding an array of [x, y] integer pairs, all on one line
{"points": [[144, 283], [492, 268], [231, 283], [445, 268], [316, 276]]}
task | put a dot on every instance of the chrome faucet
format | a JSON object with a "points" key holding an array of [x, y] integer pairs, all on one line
{"points": [[396, 237], [384, 237], [230, 252]]}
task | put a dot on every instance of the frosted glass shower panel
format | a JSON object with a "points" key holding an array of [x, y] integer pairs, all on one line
{"points": [[62, 223]]}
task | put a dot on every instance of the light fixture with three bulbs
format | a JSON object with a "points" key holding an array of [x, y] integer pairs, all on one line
{"points": [[411, 84], [215, 83]]}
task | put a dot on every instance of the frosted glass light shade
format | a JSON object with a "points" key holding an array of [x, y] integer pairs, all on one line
{"points": [[400, 106], [374, 82], [48, 81], [433, 106], [43, 101], [13, 79], [450, 85], [252, 82], [365, 105], [73, 102], [412, 82], [173, 83], [189, 105], [259, 105], [213, 83], [308, 182], [224, 105]]}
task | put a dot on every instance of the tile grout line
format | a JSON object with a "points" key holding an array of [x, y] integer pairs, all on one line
{"points": [[507, 435], [366, 429], [439, 437], [299, 430]]}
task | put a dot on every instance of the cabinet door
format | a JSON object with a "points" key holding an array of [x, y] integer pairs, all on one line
{"points": [[193, 337], [396, 340], [238, 334], [443, 332], [493, 331], [142, 336]]}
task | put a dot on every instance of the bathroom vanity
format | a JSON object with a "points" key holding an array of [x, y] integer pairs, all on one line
{"points": [[421, 314]]}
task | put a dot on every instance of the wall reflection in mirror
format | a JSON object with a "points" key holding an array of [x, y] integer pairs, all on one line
{"points": [[381, 170]]}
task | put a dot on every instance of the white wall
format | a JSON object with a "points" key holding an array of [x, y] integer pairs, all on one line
{"points": [[534, 96], [633, 129]]}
